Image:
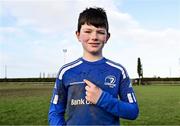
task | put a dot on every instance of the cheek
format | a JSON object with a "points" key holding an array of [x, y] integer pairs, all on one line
{"points": [[103, 38], [83, 38]]}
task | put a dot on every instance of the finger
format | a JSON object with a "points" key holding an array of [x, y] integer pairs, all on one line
{"points": [[87, 98], [88, 83], [87, 93], [87, 88]]}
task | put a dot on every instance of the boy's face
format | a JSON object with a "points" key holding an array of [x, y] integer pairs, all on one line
{"points": [[92, 38]]}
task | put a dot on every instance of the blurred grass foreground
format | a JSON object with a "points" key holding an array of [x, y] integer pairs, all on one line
{"points": [[27, 103]]}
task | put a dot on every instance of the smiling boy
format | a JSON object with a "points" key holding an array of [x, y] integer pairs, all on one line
{"points": [[92, 90]]}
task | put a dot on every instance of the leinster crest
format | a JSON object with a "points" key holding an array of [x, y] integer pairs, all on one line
{"points": [[110, 81]]}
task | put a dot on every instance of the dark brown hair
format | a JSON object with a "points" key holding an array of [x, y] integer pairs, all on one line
{"points": [[93, 16]]}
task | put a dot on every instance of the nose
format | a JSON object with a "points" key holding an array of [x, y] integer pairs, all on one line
{"points": [[94, 36]]}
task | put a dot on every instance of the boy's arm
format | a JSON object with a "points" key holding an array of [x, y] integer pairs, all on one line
{"points": [[126, 107], [58, 104]]}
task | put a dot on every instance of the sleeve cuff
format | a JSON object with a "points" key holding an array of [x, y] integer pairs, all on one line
{"points": [[100, 98]]}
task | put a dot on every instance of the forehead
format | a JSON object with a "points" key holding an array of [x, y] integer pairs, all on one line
{"points": [[86, 26]]}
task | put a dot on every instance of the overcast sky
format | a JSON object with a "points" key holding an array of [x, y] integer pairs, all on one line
{"points": [[33, 34]]}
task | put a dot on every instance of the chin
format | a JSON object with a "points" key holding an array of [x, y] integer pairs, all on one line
{"points": [[95, 52]]}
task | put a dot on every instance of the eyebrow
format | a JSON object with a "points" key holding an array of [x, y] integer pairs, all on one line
{"points": [[86, 29], [97, 29]]}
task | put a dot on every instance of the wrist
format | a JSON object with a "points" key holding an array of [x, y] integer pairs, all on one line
{"points": [[99, 94], [100, 97]]}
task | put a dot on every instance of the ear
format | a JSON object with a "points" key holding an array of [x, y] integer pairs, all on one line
{"points": [[77, 35], [108, 36]]}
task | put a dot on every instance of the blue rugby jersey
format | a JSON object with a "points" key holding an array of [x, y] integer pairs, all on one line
{"points": [[116, 101]]}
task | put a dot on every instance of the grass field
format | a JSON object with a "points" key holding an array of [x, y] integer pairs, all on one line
{"points": [[159, 105], [28, 104], [24, 104]]}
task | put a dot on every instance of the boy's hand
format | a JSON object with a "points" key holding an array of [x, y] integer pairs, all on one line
{"points": [[93, 92]]}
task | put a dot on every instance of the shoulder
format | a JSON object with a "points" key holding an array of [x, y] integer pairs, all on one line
{"points": [[68, 66], [117, 66]]}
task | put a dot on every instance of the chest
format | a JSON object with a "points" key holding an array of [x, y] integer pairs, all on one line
{"points": [[106, 79]]}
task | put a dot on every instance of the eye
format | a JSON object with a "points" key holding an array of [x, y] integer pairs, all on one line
{"points": [[87, 31], [101, 32]]}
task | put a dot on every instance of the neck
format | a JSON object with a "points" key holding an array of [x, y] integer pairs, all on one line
{"points": [[92, 58]]}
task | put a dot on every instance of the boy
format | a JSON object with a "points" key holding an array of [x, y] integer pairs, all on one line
{"points": [[92, 90]]}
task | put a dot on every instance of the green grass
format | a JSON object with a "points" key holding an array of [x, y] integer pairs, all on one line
{"points": [[28, 104], [24, 104], [159, 105]]}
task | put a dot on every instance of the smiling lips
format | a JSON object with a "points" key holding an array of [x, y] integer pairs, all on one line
{"points": [[94, 44]]}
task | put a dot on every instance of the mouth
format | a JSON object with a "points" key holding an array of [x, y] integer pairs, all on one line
{"points": [[94, 44]]}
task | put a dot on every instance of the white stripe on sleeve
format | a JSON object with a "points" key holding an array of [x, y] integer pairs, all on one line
{"points": [[55, 101], [134, 97], [130, 98]]}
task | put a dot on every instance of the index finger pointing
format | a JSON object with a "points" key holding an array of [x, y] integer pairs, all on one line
{"points": [[90, 84]]}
